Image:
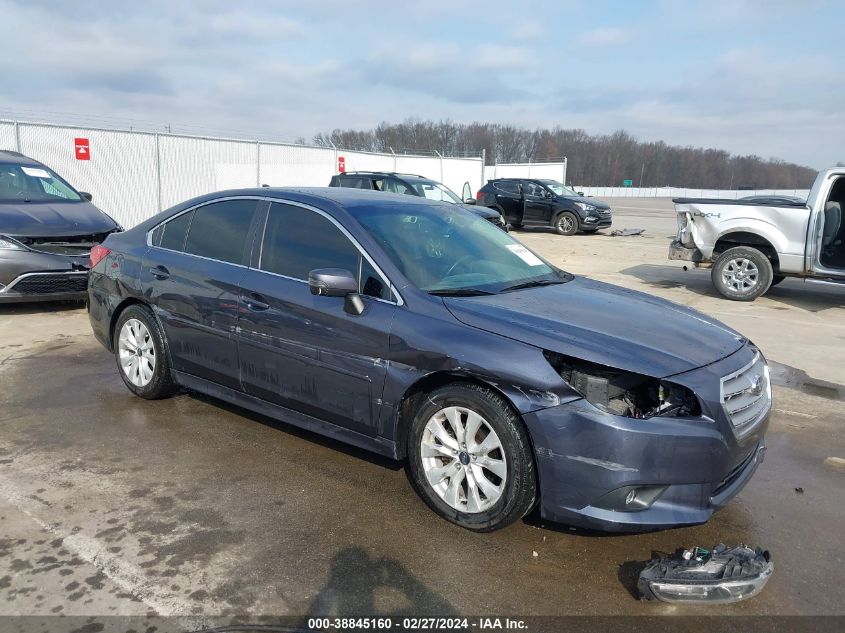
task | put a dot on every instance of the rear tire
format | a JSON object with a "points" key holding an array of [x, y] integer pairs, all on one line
{"points": [[566, 223], [469, 458], [140, 350], [742, 273]]}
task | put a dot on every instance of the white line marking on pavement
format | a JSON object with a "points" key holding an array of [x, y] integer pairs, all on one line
{"points": [[797, 414]]}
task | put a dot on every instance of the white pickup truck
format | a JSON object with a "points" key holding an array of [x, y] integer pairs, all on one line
{"points": [[752, 244]]}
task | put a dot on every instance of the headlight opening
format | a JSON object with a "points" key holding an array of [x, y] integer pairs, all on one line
{"points": [[624, 393]]}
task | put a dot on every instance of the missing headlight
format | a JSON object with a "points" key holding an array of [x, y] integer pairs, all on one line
{"points": [[624, 393]]}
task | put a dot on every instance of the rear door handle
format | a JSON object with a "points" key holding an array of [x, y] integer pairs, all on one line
{"points": [[254, 302], [160, 272]]}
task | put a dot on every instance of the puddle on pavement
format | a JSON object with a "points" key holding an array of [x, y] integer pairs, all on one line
{"points": [[794, 378]]}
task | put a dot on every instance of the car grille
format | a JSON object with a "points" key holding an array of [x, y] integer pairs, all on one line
{"points": [[747, 396], [604, 211], [50, 284]]}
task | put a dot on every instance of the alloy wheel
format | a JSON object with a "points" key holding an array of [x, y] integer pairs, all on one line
{"points": [[137, 353], [463, 459], [741, 274]]}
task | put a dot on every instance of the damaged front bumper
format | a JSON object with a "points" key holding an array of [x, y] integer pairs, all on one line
{"points": [[32, 276], [614, 473]]}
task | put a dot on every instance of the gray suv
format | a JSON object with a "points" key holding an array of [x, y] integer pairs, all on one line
{"points": [[413, 185]]}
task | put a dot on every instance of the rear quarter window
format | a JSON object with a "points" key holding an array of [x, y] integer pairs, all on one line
{"points": [[507, 187]]}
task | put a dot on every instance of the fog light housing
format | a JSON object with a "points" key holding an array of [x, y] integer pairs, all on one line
{"points": [[630, 498], [591, 218]]}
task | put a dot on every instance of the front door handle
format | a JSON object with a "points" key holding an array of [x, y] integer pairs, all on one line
{"points": [[160, 272], [254, 302]]}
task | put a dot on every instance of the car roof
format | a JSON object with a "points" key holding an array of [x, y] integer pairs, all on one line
{"points": [[9, 156], [379, 173]]}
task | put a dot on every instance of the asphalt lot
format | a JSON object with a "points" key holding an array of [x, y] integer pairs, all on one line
{"points": [[114, 505]]}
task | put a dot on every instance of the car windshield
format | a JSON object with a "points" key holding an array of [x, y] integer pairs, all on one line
{"points": [[449, 250], [24, 183], [560, 189], [434, 191]]}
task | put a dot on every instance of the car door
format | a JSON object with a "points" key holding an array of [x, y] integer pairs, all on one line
{"points": [[538, 204], [509, 198], [191, 277], [302, 351]]}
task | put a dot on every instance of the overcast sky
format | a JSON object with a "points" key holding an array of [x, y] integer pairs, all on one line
{"points": [[750, 76]]}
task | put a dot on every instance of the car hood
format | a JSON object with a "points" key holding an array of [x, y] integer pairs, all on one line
{"points": [[598, 204], [47, 219], [604, 324], [484, 212]]}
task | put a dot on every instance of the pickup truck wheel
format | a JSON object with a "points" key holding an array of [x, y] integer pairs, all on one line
{"points": [[566, 223], [742, 273]]}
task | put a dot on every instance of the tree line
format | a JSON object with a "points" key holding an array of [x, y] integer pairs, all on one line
{"points": [[593, 159]]}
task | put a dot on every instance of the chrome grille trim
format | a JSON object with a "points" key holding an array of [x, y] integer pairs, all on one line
{"points": [[746, 396]]}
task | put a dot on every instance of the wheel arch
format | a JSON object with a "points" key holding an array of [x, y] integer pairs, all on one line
{"points": [[735, 238], [118, 310], [416, 392]]}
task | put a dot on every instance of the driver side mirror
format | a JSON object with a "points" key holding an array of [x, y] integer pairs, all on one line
{"points": [[580, 193], [337, 282], [470, 201], [547, 194], [87, 196]]}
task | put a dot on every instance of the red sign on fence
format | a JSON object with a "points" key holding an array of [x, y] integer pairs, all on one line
{"points": [[83, 150], [341, 164]]}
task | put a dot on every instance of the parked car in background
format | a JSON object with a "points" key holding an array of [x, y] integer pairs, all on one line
{"points": [[413, 185], [754, 243], [539, 202], [418, 330], [47, 230]]}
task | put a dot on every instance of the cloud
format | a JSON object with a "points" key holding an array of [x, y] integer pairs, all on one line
{"points": [[527, 30], [605, 36]]}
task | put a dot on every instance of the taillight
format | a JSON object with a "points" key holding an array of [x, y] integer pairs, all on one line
{"points": [[479, 195], [97, 254]]}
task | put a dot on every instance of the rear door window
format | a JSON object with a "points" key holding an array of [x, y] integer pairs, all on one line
{"points": [[219, 230]]}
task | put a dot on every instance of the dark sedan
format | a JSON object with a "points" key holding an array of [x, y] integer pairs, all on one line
{"points": [[47, 230], [538, 202], [418, 330]]}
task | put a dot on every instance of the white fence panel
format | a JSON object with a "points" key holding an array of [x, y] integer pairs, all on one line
{"points": [[681, 192], [365, 161], [457, 171], [291, 165], [120, 172], [7, 136], [551, 171], [194, 166], [428, 167]]}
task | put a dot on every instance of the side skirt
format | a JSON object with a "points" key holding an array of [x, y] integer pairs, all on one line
{"points": [[289, 416]]}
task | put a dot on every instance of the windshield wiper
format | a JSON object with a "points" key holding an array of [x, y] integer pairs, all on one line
{"points": [[534, 284], [460, 292]]}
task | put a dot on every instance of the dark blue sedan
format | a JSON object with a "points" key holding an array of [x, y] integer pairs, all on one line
{"points": [[418, 330]]}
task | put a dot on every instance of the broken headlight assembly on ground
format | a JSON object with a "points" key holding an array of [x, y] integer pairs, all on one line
{"points": [[624, 393], [718, 576]]}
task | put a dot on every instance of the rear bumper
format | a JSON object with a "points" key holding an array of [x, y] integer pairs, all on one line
{"points": [[678, 251]]}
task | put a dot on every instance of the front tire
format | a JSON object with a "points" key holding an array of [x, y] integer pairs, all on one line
{"points": [[566, 223], [742, 273], [469, 458], [140, 350]]}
